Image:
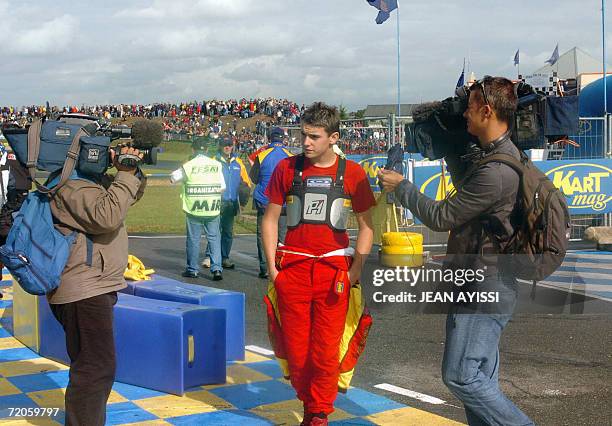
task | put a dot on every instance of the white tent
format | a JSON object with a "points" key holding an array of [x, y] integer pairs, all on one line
{"points": [[571, 64]]}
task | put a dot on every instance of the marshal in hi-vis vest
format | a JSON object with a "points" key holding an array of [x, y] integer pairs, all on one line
{"points": [[318, 199], [202, 187]]}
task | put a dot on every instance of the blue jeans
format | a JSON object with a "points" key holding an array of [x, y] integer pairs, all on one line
{"points": [[470, 368], [194, 234], [227, 233]]}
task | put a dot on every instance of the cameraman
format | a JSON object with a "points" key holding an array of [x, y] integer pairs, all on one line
{"points": [[478, 218], [83, 303]]}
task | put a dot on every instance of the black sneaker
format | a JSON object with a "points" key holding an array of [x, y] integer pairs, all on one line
{"points": [[217, 276], [228, 264], [263, 275], [189, 274]]}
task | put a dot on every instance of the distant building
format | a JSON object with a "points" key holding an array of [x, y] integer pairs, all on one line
{"points": [[385, 110]]}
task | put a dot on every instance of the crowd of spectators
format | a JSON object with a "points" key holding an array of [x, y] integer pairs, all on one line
{"points": [[282, 111], [358, 139], [197, 119]]}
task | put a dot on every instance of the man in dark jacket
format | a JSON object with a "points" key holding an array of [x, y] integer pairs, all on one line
{"points": [[478, 218]]}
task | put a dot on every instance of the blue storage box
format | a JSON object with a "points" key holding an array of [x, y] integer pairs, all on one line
{"points": [[155, 279], [233, 302], [160, 345], [168, 346]]}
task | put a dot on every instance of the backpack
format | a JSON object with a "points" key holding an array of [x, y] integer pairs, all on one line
{"points": [[35, 252], [542, 221]]}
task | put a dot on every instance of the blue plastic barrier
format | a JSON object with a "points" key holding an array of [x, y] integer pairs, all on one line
{"points": [[233, 302], [155, 279], [160, 345], [168, 346], [51, 334]]}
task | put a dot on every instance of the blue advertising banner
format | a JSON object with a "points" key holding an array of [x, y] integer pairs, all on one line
{"points": [[371, 164], [587, 184]]}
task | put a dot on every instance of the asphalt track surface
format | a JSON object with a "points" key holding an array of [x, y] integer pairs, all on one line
{"points": [[556, 362]]}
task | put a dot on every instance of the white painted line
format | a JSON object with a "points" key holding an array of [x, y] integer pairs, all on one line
{"points": [[577, 263], [580, 286], [410, 394], [259, 350], [574, 255], [567, 290], [167, 237], [580, 274], [155, 237], [242, 255]]}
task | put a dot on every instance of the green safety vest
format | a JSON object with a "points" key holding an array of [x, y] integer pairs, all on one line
{"points": [[202, 187]]}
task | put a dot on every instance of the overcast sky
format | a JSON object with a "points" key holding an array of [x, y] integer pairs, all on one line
{"points": [[141, 51]]}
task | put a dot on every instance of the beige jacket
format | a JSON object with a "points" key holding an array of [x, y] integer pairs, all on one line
{"points": [[98, 211]]}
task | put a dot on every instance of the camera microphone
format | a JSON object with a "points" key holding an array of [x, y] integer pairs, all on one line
{"points": [[146, 136], [147, 133]]}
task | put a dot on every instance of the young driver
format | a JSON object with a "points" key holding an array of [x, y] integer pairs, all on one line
{"points": [[315, 268]]}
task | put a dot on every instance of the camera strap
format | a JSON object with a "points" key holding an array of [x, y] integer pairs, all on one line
{"points": [[34, 148]]}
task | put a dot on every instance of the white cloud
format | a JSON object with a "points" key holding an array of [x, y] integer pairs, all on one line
{"points": [[145, 13], [188, 9], [45, 38], [303, 49], [311, 81]]}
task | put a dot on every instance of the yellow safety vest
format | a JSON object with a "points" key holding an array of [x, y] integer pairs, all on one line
{"points": [[202, 187]]}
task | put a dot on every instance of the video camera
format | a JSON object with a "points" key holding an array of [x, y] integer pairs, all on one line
{"points": [[56, 136], [439, 128]]}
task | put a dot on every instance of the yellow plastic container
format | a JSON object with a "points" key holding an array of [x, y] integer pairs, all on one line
{"points": [[393, 260], [402, 239], [402, 250]]}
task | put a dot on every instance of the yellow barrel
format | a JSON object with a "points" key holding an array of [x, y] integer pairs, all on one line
{"points": [[402, 239], [401, 249], [393, 260]]}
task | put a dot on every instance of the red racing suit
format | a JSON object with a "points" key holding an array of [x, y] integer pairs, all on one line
{"points": [[336, 331], [317, 321]]}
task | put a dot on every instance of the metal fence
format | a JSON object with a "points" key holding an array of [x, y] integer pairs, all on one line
{"points": [[591, 138], [364, 136], [180, 137]]}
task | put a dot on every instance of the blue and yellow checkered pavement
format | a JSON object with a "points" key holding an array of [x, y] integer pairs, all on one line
{"points": [[255, 394]]}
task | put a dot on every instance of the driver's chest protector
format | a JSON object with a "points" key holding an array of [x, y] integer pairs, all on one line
{"points": [[317, 199], [202, 188]]}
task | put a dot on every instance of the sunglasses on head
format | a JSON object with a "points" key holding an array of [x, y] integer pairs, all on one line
{"points": [[463, 92]]}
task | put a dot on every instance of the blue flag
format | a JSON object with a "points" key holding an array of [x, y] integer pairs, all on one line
{"points": [[461, 80], [554, 57], [516, 58], [384, 7]]}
